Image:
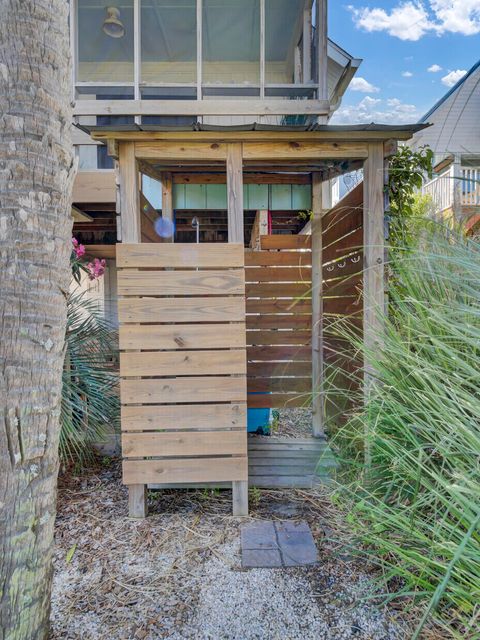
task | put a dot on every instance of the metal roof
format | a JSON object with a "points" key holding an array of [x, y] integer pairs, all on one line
{"points": [[327, 128]]}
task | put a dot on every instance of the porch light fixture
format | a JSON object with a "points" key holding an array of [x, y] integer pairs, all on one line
{"points": [[112, 25]]}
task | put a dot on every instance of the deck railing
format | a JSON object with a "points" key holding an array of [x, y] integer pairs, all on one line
{"points": [[463, 186]]}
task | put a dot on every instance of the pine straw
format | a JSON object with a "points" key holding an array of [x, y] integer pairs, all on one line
{"points": [[140, 579]]}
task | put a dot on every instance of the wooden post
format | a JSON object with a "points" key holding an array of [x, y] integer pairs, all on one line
{"points": [[374, 245], [167, 199], [307, 45], [236, 234], [318, 418], [235, 192], [131, 233], [322, 49], [259, 229]]}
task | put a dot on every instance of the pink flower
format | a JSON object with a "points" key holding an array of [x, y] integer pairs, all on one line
{"points": [[78, 248], [96, 268]]}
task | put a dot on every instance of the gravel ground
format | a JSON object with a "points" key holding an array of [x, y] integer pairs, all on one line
{"points": [[177, 574], [293, 423]]}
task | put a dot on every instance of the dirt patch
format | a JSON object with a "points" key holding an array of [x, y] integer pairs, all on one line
{"points": [[177, 574]]}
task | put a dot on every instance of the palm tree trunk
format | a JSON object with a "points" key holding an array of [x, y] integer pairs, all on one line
{"points": [[36, 174]]}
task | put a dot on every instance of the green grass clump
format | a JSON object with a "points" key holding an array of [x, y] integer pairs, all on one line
{"points": [[416, 501]]}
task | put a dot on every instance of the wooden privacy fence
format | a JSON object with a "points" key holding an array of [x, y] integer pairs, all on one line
{"points": [[182, 363], [279, 321]]}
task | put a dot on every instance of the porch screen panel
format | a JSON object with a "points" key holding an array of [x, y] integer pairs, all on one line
{"points": [[279, 322], [169, 41], [231, 42], [182, 363], [105, 41]]}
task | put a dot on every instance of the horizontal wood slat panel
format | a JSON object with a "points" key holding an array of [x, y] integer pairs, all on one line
{"points": [[279, 290], [280, 369], [350, 243], [195, 389], [346, 267], [278, 337], [279, 274], [295, 352], [286, 242], [182, 336], [181, 309], [277, 259], [279, 400], [279, 385], [288, 305], [183, 363], [181, 283], [351, 201], [180, 255], [185, 470], [279, 322], [345, 222], [186, 443], [342, 306], [178, 417]]}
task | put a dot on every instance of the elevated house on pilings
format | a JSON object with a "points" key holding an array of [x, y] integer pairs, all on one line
{"points": [[225, 126]]}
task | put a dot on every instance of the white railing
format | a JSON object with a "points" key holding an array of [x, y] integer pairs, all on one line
{"points": [[470, 187], [460, 186]]}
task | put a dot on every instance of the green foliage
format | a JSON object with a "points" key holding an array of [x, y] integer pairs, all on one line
{"points": [[415, 504], [90, 404]]}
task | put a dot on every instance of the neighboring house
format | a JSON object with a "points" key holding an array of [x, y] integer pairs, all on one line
{"points": [[455, 140], [216, 113]]}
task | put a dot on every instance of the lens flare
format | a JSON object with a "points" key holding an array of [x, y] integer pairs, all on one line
{"points": [[164, 227]]}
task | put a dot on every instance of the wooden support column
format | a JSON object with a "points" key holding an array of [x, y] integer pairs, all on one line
{"points": [[259, 229], [374, 246], [322, 49], [131, 233], [235, 192], [318, 418], [236, 234], [307, 45], [167, 199]]}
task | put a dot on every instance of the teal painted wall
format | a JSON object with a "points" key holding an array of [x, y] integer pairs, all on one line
{"points": [[255, 196]]}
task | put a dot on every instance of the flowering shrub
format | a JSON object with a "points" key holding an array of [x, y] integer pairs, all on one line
{"points": [[94, 269]]}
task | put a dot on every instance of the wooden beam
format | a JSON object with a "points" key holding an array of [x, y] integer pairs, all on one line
{"points": [[200, 107], [167, 199], [196, 151], [307, 45], [94, 186], [248, 178], [322, 50], [280, 151], [318, 418], [374, 270], [129, 194], [235, 193]]}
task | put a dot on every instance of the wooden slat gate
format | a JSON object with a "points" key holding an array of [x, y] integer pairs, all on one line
{"points": [[279, 322], [182, 363]]}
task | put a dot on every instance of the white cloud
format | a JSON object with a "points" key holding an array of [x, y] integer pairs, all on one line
{"points": [[407, 74], [376, 110], [435, 68], [360, 84], [453, 77], [412, 19]]}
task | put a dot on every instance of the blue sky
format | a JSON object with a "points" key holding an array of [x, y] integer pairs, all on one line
{"points": [[399, 42]]}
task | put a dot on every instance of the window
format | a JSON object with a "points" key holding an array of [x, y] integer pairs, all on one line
{"points": [[283, 31], [231, 42], [105, 41], [169, 41]]}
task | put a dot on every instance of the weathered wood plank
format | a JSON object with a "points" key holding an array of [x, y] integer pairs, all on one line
{"points": [[179, 417], [183, 283], [185, 470], [303, 150], [204, 309], [294, 352], [279, 369], [279, 400], [277, 258], [277, 337], [185, 443], [286, 242], [279, 385], [191, 389], [183, 363], [182, 336], [235, 192], [279, 290], [180, 256], [279, 305], [279, 322], [279, 274]]}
